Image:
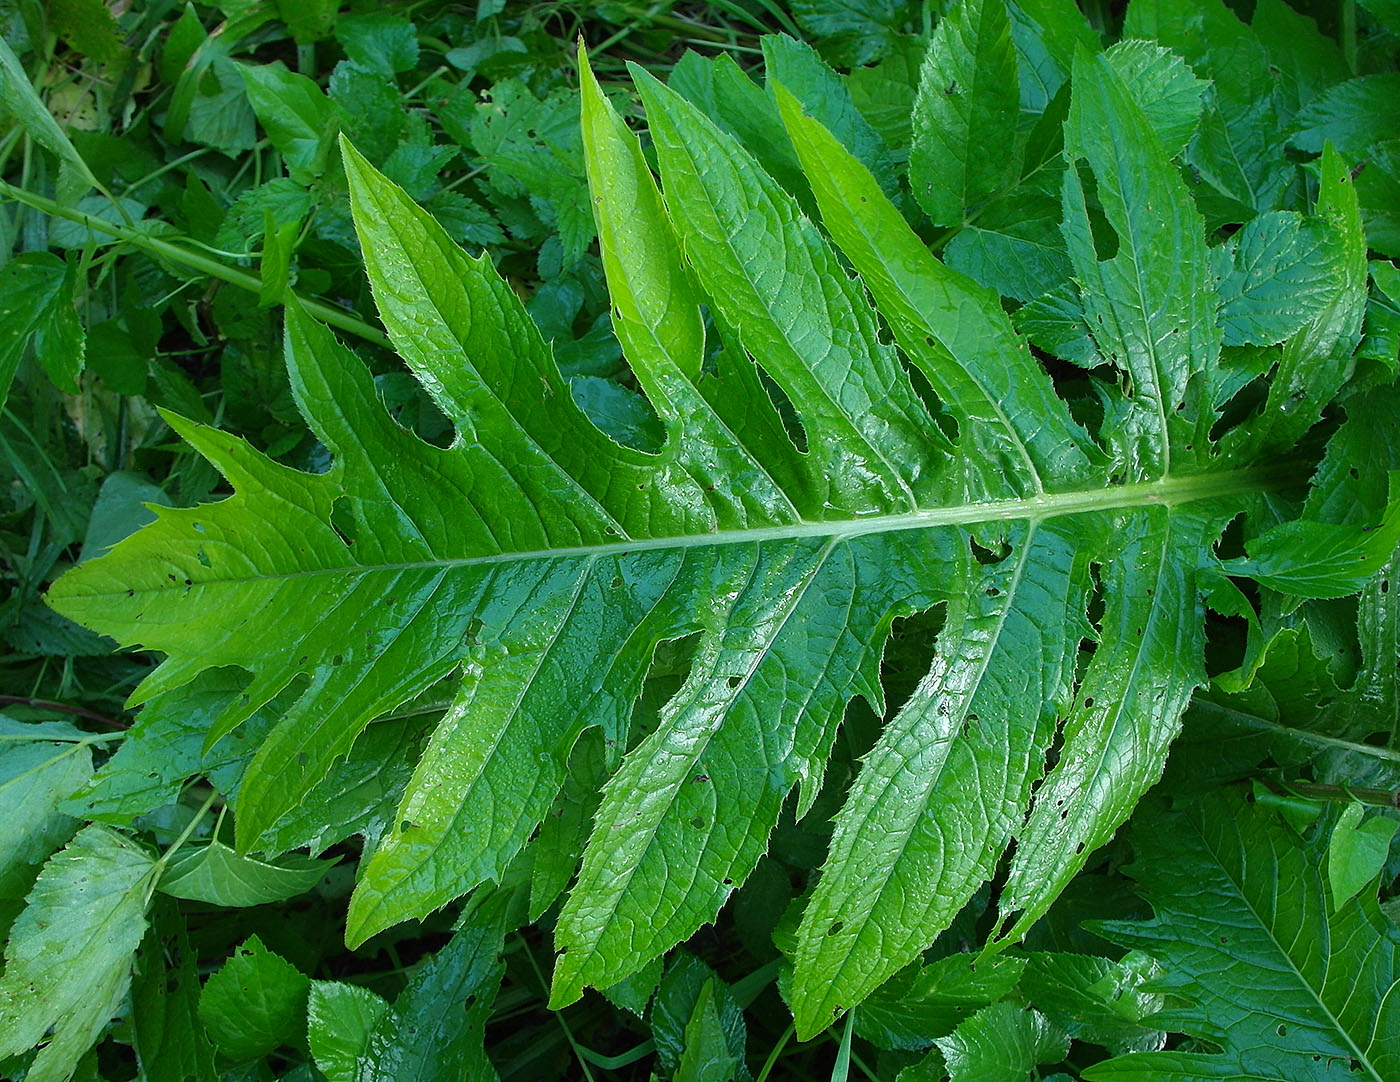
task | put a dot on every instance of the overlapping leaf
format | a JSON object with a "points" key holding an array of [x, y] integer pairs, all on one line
{"points": [[1285, 985], [543, 564]]}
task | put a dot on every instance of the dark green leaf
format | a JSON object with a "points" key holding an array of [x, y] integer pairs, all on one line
{"points": [[254, 1003], [920, 1004], [37, 314], [1257, 964]]}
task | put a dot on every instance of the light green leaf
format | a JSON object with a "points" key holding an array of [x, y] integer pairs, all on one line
{"points": [[1055, 322], [953, 329], [22, 102], [1238, 151], [254, 1003], [1277, 273], [35, 777], [906, 854], [735, 103], [539, 573], [1000, 1043], [968, 101], [1357, 852], [298, 117], [1149, 307], [1255, 962], [1322, 559], [1149, 660], [340, 1019], [1316, 360], [68, 961], [214, 873], [274, 269], [797, 68], [1167, 91], [804, 316], [36, 299]]}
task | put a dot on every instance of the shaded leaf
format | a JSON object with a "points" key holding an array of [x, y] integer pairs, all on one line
{"points": [[1261, 969], [254, 1003], [215, 873]]}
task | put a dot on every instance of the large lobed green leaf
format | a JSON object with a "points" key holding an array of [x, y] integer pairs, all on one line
{"points": [[1260, 962], [541, 564]]}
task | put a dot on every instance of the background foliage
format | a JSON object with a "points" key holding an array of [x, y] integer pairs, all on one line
{"points": [[169, 173]]}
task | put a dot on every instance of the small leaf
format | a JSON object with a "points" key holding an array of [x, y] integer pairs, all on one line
{"points": [[35, 777], [1014, 245], [340, 1019], [36, 295], [1357, 852], [1001, 1043], [706, 1056], [1282, 271], [1097, 999], [381, 42], [1351, 116], [427, 1034], [214, 873], [922, 1003], [694, 1007], [968, 101], [254, 1003], [1321, 559], [1166, 89], [299, 119]]}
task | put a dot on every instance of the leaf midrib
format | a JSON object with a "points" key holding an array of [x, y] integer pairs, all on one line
{"points": [[1237, 884], [1166, 492]]}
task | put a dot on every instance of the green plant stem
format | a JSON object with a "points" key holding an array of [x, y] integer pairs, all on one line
{"points": [[1345, 794], [202, 264], [842, 1069], [776, 1054], [558, 1015], [190, 828], [113, 724]]}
